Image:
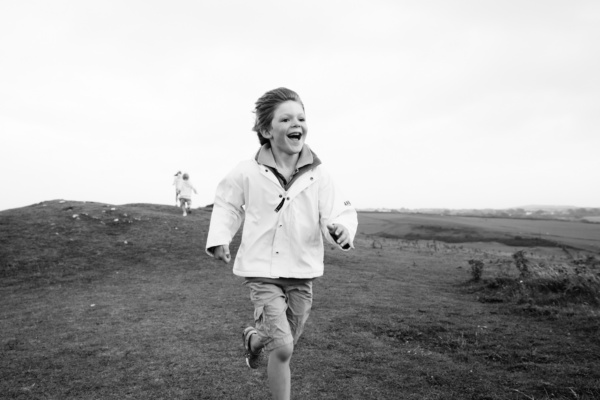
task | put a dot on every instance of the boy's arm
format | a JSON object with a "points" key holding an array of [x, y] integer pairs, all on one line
{"points": [[227, 214], [339, 221]]}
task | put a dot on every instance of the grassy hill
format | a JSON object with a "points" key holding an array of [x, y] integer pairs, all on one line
{"points": [[120, 302]]}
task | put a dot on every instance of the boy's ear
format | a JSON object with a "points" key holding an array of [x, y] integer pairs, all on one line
{"points": [[266, 134]]}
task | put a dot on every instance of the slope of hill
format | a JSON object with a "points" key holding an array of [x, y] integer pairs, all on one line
{"points": [[66, 237], [120, 302]]}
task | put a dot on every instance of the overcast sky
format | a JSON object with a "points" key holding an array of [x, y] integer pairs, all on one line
{"points": [[417, 104]]}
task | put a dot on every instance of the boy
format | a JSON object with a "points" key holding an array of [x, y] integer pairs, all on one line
{"points": [[185, 194], [288, 203]]}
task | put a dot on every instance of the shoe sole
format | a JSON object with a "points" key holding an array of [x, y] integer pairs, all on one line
{"points": [[246, 338], [246, 335]]}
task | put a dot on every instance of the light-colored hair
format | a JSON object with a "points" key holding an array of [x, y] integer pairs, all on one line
{"points": [[266, 106]]}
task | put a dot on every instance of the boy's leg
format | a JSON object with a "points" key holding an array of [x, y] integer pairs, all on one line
{"points": [[278, 371], [270, 318], [274, 334], [182, 200], [299, 300], [299, 303]]}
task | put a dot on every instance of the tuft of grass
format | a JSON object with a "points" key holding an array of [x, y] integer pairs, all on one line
{"points": [[476, 269], [575, 281]]}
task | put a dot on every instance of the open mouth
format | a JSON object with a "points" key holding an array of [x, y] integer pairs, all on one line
{"points": [[295, 136]]}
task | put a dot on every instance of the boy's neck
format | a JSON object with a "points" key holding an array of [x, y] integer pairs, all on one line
{"points": [[285, 161]]}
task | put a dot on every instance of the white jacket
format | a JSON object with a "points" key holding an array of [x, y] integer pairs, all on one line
{"points": [[185, 189], [283, 243]]}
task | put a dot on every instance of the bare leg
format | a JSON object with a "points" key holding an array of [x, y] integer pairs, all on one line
{"points": [[278, 370]]}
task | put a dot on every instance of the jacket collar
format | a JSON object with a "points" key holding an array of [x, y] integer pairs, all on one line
{"points": [[307, 157]]}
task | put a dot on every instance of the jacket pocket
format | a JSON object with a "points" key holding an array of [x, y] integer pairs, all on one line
{"points": [[258, 314]]}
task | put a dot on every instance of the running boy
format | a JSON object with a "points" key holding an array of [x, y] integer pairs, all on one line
{"points": [[185, 194], [289, 203]]}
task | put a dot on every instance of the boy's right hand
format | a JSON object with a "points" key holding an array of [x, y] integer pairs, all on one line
{"points": [[222, 253]]}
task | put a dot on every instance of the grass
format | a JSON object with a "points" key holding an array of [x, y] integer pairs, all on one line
{"points": [[543, 282], [120, 302]]}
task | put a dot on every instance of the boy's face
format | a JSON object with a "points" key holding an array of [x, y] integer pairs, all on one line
{"points": [[288, 128]]}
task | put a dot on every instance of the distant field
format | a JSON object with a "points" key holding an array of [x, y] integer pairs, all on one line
{"points": [[454, 229]]}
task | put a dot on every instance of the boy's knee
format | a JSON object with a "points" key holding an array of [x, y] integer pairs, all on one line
{"points": [[283, 353]]}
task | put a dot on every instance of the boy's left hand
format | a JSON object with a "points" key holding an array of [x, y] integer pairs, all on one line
{"points": [[340, 234]]}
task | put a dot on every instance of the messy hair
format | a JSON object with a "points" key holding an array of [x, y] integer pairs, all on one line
{"points": [[265, 109]]}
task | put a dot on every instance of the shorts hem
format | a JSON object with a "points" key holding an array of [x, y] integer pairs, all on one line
{"points": [[277, 343]]}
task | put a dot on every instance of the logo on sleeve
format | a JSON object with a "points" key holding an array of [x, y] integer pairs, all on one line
{"points": [[347, 203]]}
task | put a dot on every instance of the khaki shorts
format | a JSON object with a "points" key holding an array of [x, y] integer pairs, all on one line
{"points": [[280, 311]]}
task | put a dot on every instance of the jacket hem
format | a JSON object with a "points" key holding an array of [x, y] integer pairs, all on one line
{"points": [[261, 274]]}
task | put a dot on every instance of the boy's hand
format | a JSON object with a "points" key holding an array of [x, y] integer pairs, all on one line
{"points": [[222, 253], [340, 234]]}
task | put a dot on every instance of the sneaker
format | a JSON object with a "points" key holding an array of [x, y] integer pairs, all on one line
{"points": [[184, 214], [189, 210], [252, 359]]}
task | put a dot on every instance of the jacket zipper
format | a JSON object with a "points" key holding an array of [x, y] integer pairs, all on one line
{"points": [[280, 205]]}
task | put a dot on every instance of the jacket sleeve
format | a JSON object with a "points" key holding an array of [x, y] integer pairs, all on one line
{"points": [[335, 208], [228, 213]]}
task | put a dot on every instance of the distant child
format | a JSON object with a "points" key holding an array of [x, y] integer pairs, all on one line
{"points": [[177, 184], [287, 202], [185, 194]]}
